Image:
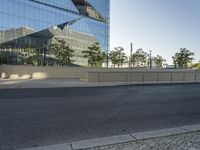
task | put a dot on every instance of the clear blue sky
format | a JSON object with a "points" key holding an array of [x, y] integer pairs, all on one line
{"points": [[163, 26]]}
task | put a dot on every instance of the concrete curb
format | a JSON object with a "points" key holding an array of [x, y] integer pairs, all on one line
{"points": [[23, 84], [32, 84], [80, 145], [158, 133], [102, 141], [65, 146]]}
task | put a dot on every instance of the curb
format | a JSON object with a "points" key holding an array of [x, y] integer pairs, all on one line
{"points": [[80, 145], [65, 146], [96, 85], [55, 83], [21, 84]]}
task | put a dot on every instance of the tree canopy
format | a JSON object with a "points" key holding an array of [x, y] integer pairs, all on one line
{"points": [[117, 56], [182, 58], [196, 65], [29, 55], [62, 52], [94, 54], [158, 60], [3, 57], [139, 58]]}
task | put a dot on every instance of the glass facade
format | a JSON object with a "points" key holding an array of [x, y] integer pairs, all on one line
{"points": [[31, 18]]}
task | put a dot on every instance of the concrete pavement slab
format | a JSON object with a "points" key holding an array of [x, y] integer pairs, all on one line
{"points": [[102, 141]]}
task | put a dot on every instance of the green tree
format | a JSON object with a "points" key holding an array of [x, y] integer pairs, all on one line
{"points": [[182, 58], [29, 55], [158, 60], [62, 52], [196, 65], [139, 58], [3, 57], [105, 56], [117, 56], [95, 55], [175, 60], [113, 57]]}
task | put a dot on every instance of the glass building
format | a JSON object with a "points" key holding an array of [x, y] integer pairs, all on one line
{"points": [[36, 22]]}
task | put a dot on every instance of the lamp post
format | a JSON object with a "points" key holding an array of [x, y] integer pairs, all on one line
{"points": [[150, 59], [130, 61], [131, 52]]}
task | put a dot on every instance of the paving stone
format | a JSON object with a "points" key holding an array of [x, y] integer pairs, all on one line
{"points": [[186, 141]]}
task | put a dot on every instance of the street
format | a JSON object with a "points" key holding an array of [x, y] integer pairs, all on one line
{"points": [[35, 117]]}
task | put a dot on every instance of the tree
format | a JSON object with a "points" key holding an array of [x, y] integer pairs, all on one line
{"points": [[94, 55], [196, 65], [29, 55], [113, 57], [3, 57], [117, 56], [158, 60], [175, 60], [139, 58], [183, 58], [105, 56], [62, 52]]}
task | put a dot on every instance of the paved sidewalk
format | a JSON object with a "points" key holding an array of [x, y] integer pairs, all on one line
{"points": [[180, 138], [53, 83], [189, 141]]}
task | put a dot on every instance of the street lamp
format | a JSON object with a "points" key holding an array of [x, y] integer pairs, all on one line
{"points": [[130, 61], [150, 59], [131, 52]]}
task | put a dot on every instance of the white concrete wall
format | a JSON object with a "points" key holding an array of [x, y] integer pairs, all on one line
{"points": [[136, 75], [42, 72], [146, 76], [35, 72]]}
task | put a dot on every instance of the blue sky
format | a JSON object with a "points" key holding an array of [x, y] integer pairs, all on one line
{"points": [[163, 26]]}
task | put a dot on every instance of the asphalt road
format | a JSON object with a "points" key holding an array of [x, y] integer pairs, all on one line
{"points": [[35, 117]]}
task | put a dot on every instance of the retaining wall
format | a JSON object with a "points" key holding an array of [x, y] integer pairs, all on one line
{"points": [[146, 76], [50, 72], [136, 75]]}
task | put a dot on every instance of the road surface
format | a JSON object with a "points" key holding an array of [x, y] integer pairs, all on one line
{"points": [[35, 117]]}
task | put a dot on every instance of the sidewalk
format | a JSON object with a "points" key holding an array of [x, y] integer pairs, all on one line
{"points": [[179, 138], [61, 83], [189, 141], [53, 83]]}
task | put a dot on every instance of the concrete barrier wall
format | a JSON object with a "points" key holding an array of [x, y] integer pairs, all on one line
{"points": [[12, 72], [165, 77], [197, 77], [136, 75], [109, 77], [36, 72], [146, 76]]}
